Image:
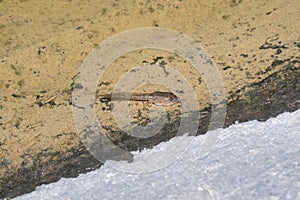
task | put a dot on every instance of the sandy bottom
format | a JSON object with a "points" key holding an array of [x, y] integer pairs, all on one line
{"points": [[44, 44]]}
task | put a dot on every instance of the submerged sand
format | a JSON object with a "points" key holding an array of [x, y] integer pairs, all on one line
{"points": [[254, 44]]}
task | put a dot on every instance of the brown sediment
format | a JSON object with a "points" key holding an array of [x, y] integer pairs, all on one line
{"points": [[248, 104], [255, 45]]}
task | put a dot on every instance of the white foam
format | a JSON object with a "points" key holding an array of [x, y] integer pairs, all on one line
{"points": [[252, 160]]}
